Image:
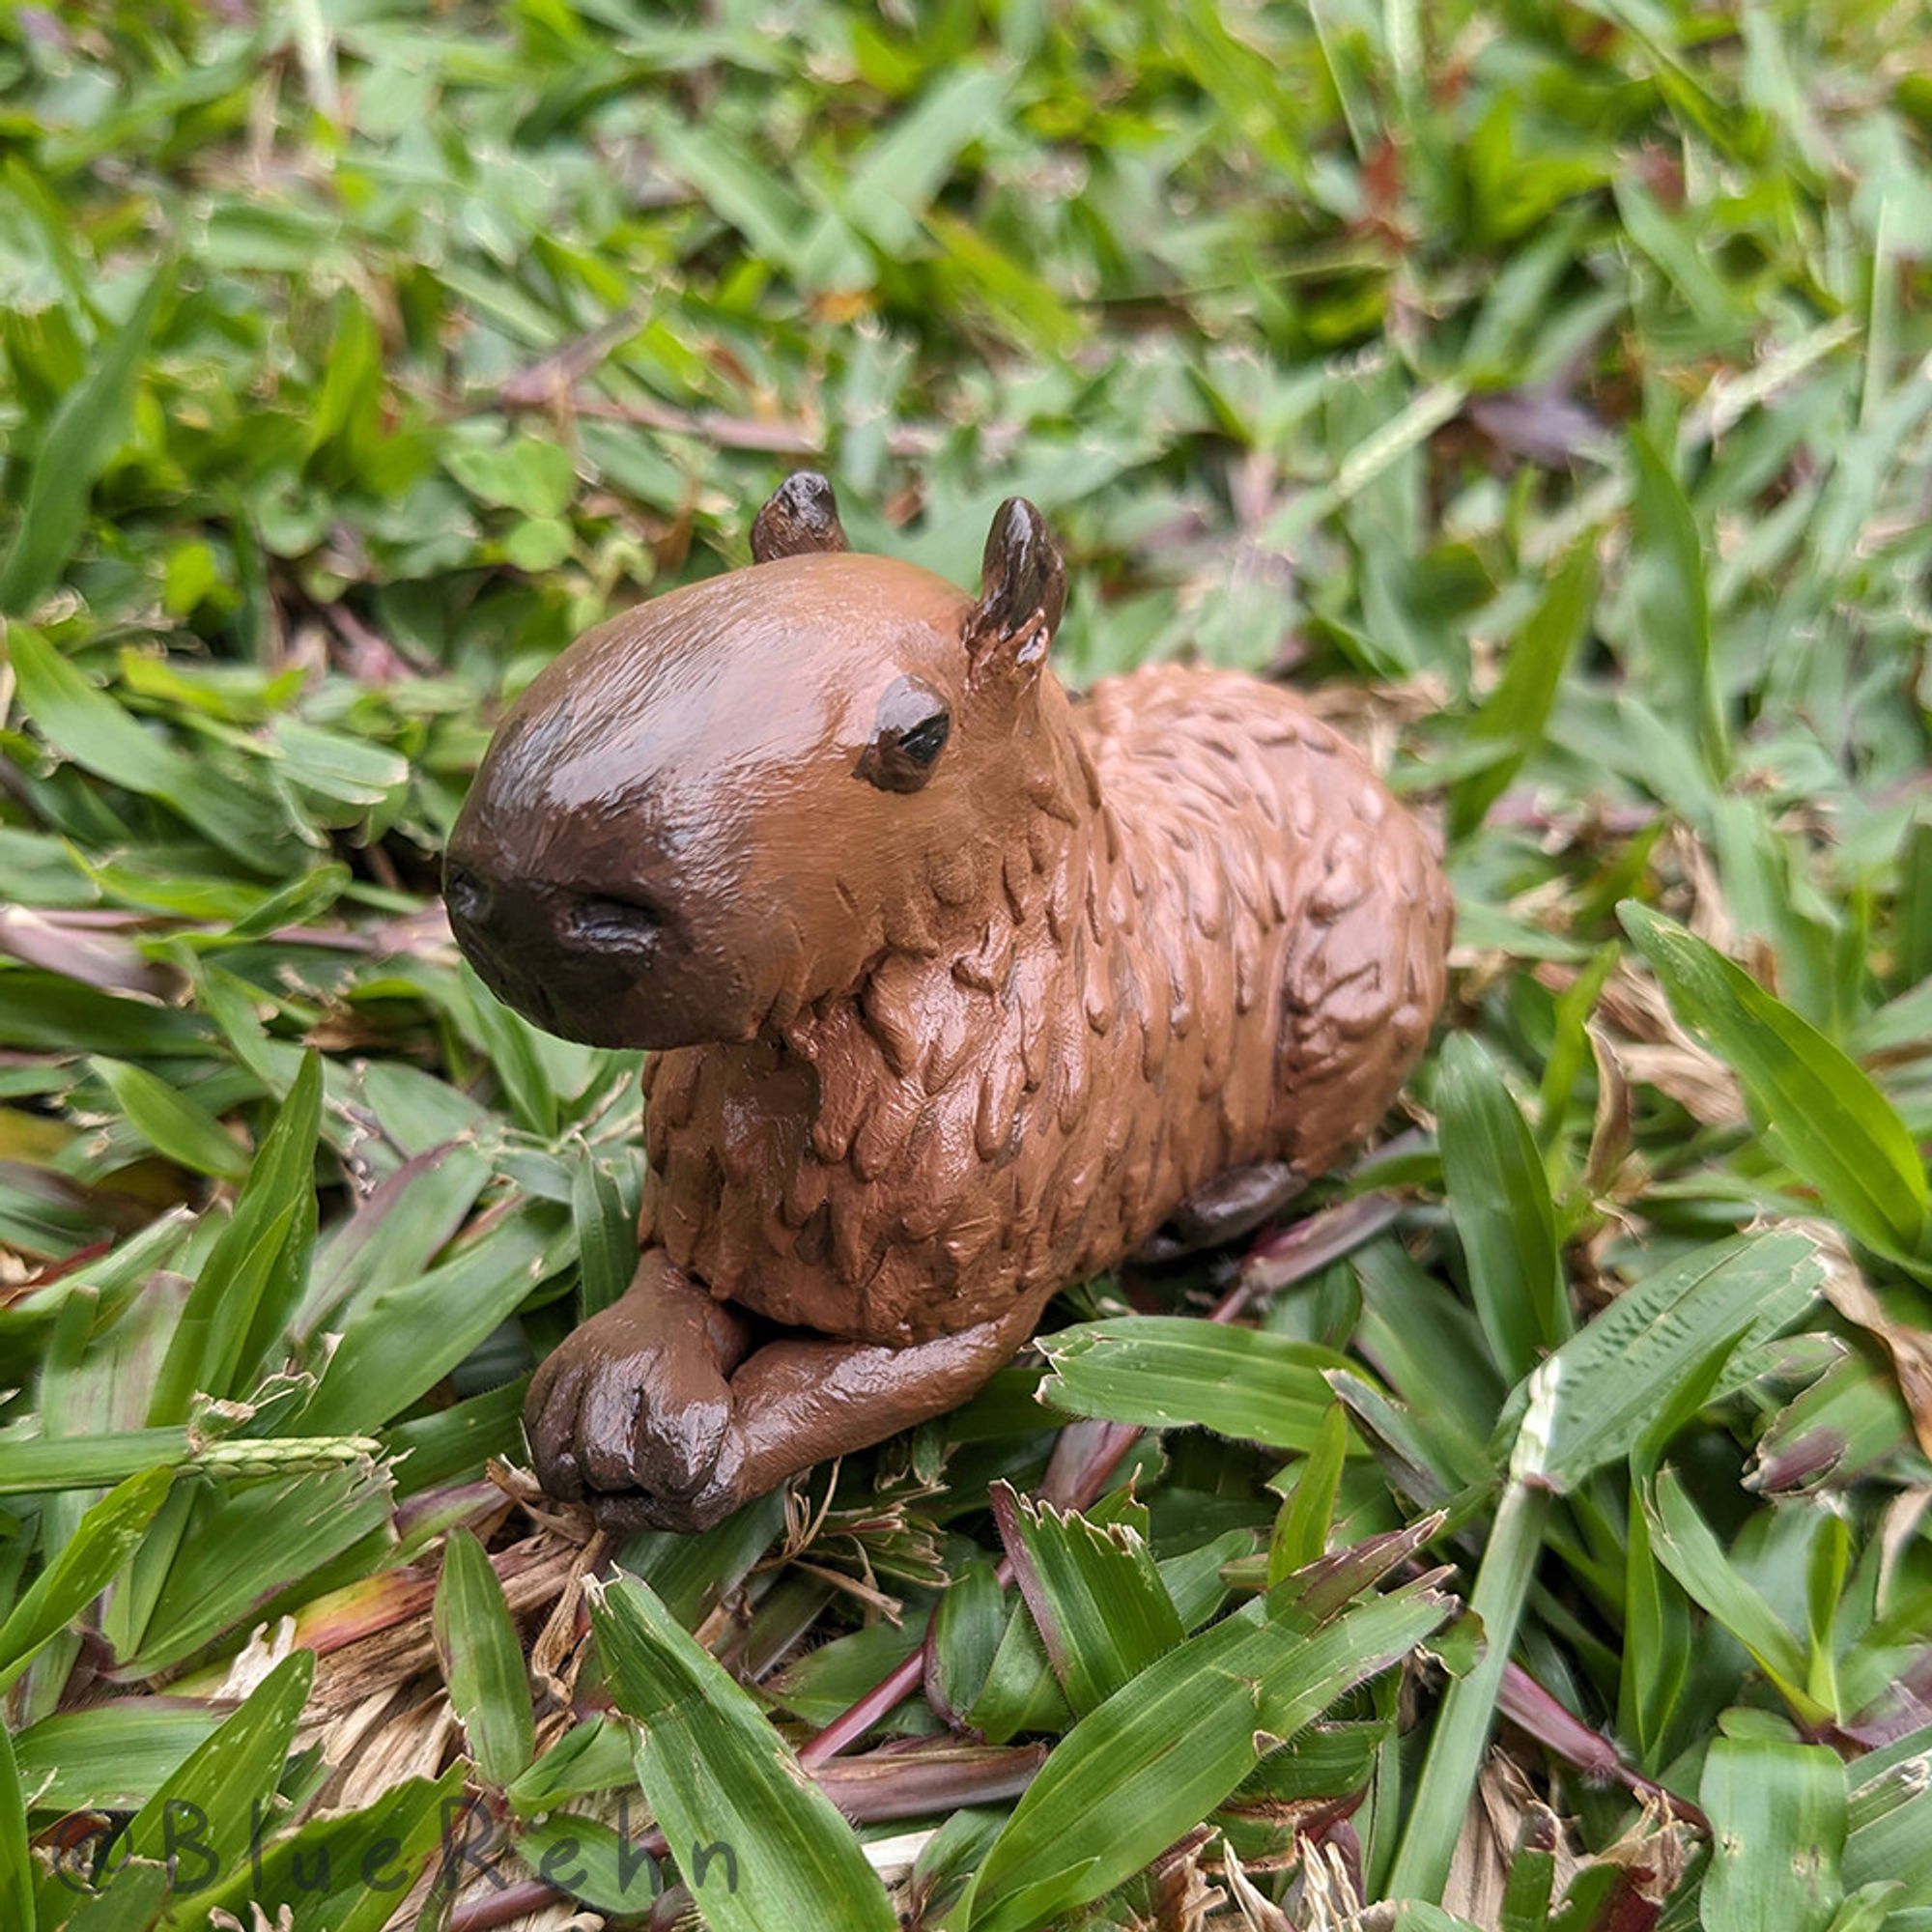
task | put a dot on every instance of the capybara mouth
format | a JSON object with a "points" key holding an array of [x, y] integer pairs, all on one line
{"points": [[564, 1000]]}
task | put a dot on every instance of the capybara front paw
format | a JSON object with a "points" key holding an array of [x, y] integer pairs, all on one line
{"points": [[640, 1433], [625, 1513]]}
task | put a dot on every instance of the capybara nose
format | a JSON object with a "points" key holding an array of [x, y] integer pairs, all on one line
{"points": [[496, 918], [533, 921], [595, 967], [593, 922], [466, 892]]}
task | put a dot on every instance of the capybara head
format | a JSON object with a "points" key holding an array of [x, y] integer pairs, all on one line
{"points": [[728, 802]]}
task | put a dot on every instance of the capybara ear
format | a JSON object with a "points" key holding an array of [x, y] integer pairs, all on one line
{"points": [[1022, 590], [802, 515]]}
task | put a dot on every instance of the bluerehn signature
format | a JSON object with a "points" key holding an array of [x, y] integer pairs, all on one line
{"points": [[93, 1853]]}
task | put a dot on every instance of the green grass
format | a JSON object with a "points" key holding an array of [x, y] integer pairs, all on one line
{"points": [[1542, 388]]}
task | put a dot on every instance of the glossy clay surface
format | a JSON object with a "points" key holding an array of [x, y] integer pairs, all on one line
{"points": [[1105, 975]]}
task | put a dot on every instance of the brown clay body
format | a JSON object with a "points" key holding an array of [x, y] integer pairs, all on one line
{"points": [[961, 990]]}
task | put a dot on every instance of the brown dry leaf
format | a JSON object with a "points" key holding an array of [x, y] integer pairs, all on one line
{"points": [[1329, 1900], [1502, 1809], [342, 1739], [560, 1915], [1653, 1855], [1898, 1532], [258, 1920], [1374, 717], [1183, 1898], [557, 1653], [1651, 1049], [1909, 1344], [1708, 913], [265, 1649], [1476, 969], [1614, 1130], [414, 1741], [1258, 1913]]}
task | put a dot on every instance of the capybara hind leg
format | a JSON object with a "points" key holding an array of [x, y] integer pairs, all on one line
{"points": [[799, 1402], [1229, 1206], [639, 1395], [801, 1399]]}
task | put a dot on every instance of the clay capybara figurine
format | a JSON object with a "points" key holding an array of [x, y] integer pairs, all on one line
{"points": [[958, 989]]}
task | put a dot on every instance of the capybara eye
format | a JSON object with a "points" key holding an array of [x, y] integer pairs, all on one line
{"points": [[908, 735], [926, 739]]}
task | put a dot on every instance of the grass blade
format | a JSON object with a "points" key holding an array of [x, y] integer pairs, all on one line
{"points": [[1621, 1371], [16, 1859], [113, 1756], [404, 1339], [1514, 717], [1777, 1836], [1686, 1545], [218, 1796], [94, 1462], [78, 442], [483, 1662], [1673, 603], [758, 1844], [606, 1235], [207, 1354], [1307, 1512], [1462, 1725], [1096, 1599], [178, 1126], [1167, 1372], [1500, 1198], [108, 1535], [345, 1872], [1821, 1111], [1162, 1752]]}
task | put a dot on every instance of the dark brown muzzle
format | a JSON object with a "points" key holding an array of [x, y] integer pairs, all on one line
{"points": [[570, 960]]}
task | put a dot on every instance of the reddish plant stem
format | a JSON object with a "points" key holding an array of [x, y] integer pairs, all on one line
{"points": [[505, 1907], [1279, 1260], [853, 1722], [1525, 1703]]}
